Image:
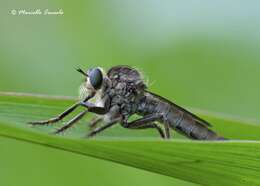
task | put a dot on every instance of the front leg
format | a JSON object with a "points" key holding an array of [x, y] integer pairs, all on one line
{"points": [[62, 115], [71, 122], [90, 108], [56, 119], [95, 109]]}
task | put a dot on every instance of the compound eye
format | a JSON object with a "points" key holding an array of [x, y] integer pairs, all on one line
{"points": [[96, 78]]}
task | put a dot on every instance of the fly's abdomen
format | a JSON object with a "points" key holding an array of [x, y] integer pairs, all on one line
{"points": [[177, 117], [190, 126]]}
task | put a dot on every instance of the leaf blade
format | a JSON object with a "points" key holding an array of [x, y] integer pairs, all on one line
{"points": [[207, 163]]}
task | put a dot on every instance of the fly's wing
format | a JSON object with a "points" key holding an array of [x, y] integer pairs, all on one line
{"points": [[196, 118]]}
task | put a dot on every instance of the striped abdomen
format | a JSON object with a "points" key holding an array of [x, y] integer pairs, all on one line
{"points": [[178, 118], [189, 125]]}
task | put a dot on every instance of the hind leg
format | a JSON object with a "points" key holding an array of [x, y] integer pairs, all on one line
{"points": [[149, 126], [145, 123]]}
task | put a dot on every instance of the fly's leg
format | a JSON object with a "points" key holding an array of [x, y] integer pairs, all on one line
{"points": [[56, 119], [62, 115], [149, 126], [146, 119], [91, 108], [114, 117], [167, 131], [144, 123], [94, 122], [71, 122], [100, 129]]}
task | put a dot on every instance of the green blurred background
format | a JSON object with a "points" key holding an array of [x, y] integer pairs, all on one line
{"points": [[200, 54]]}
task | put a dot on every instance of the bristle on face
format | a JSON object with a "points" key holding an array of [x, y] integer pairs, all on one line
{"points": [[83, 91]]}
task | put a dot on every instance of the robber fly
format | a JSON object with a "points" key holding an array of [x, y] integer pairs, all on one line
{"points": [[120, 93]]}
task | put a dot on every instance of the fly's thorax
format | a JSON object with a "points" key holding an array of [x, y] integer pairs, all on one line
{"points": [[126, 89], [122, 95]]}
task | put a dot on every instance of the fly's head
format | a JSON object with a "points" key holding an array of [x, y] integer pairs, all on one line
{"points": [[119, 80], [94, 81]]}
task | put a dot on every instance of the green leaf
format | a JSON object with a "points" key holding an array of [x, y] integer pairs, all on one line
{"points": [[206, 163]]}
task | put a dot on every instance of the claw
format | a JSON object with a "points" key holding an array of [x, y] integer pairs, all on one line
{"points": [[45, 122], [57, 131], [90, 135]]}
